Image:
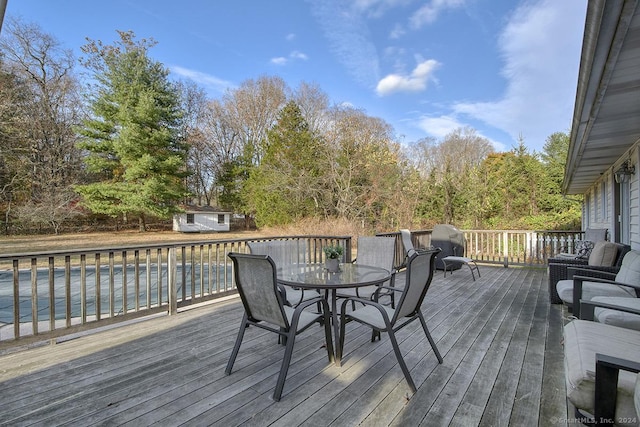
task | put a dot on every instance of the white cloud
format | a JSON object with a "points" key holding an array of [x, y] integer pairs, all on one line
{"points": [[541, 50], [211, 83], [441, 126], [428, 13], [344, 26], [397, 32], [290, 37], [298, 55], [415, 82], [281, 60]]}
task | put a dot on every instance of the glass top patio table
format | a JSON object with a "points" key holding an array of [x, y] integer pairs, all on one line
{"points": [[316, 276]]}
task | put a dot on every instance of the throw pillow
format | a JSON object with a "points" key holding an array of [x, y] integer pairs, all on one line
{"points": [[584, 248], [603, 254]]}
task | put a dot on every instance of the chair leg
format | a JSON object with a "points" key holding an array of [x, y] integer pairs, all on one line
{"points": [[236, 347], [340, 342], [426, 331], [327, 335], [277, 393], [403, 365]]}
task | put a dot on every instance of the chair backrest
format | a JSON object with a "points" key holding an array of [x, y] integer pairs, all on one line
{"points": [[377, 252], [407, 242], [281, 251], [418, 279], [630, 269], [255, 277], [595, 234]]}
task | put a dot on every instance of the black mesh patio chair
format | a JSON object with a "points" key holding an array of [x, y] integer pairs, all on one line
{"points": [[376, 252], [285, 252], [383, 318], [264, 307]]}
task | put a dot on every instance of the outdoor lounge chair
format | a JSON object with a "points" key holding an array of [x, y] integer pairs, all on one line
{"points": [[264, 307], [625, 284], [601, 365], [561, 268], [590, 238], [383, 318], [376, 252]]}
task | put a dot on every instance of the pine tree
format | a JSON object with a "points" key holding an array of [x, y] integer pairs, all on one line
{"points": [[134, 149]]}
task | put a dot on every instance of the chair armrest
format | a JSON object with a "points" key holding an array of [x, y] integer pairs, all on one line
{"points": [[577, 289], [587, 308], [606, 393], [593, 271], [567, 261]]}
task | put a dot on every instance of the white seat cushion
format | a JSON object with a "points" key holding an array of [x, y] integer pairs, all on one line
{"points": [[582, 340], [616, 317], [593, 289], [630, 269]]}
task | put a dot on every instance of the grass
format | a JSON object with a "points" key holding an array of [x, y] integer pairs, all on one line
{"points": [[25, 244], [39, 243]]}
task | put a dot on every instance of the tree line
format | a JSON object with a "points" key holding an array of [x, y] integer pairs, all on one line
{"points": [[111, 137]]}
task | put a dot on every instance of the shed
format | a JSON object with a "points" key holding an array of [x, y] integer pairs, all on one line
{"points": [[197, 219]]}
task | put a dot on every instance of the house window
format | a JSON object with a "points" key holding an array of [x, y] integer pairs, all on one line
{"points": [[220, 218], [191, 218]]}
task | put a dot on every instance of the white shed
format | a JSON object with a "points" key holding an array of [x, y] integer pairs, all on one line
{"points": [[196, 219]]}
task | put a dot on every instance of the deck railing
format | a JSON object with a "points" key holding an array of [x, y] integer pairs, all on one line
{"points": [[505, 247], [49, 294]]}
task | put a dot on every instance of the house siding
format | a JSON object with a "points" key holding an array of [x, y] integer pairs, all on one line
{"points": [[634, 199], [594, 216]]}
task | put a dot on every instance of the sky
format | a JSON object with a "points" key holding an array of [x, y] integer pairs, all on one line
{"points": [[506, 68]]}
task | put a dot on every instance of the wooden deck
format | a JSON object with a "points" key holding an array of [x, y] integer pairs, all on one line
{"points": [[499, 336]]}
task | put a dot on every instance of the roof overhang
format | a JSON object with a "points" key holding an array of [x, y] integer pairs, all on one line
{"points": [[606, 118]]}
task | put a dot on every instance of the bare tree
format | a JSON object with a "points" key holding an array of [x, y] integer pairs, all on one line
{"points": [[451, 164], [48, 105], [314, 106]]}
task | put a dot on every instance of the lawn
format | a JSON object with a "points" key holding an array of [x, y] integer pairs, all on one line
{"points": [[40, 243]]}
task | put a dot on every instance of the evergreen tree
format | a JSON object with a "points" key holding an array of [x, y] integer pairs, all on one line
{"points": [[286, 184], [132, 140]]}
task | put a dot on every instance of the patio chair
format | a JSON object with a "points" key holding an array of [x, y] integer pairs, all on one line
{"points": [[264, 307], [561, 268], [283, 252], [381, 318], [601, 364], [625, 284], [376, 252], [582, 247]]}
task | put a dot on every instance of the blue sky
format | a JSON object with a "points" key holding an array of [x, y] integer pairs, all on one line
{"points": [[507, 68]]}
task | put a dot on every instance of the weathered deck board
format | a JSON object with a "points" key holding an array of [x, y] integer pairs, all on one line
{"points": [[499, 337]]}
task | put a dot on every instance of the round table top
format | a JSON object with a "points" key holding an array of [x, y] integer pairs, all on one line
{"points": [[316, 276]]}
